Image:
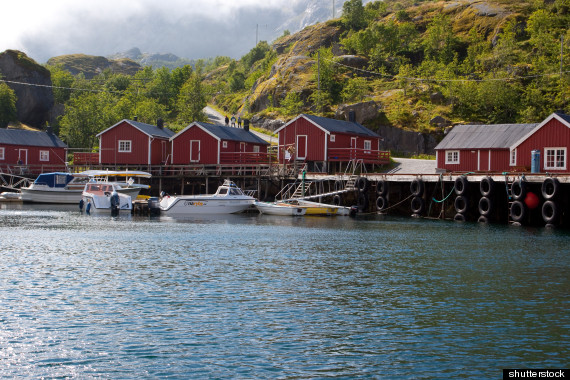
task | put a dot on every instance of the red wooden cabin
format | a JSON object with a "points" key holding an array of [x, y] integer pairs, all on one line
{"points": [[34, 152], [209, 144], [507, 147], [131, 142], [319, 141]]}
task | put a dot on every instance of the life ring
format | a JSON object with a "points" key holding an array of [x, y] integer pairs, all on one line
{"points": [[459, 217], [485, 206], [518, 211], [483, 219], [362, 202], [550, 188], [381, 203], [550, 212], [382, 188], [362, 184], [337, 200], [461, 204], [518, 189], [417, 205], [461, 184], [486, 186], [417, 187]]}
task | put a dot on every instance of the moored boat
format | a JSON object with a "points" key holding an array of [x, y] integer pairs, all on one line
{"points": [[100, 197], [228, 199], [340, 210], [280, 209]]}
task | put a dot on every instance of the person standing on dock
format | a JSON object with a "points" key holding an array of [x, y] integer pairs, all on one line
{"points": [[239, 121], [233, 119]]}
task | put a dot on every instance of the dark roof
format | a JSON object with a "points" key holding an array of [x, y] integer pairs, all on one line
{"points": [[232, 133], [563, 116], [497, 136], [30, 138], [341, 126], [152, 130]]}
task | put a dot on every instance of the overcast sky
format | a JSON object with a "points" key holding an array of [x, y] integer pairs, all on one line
{"points": [[188, 28]]}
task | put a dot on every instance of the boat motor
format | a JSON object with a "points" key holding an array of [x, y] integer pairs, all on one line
{"points": [[115, 203]]}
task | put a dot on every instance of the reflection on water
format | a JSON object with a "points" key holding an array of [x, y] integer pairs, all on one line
{"points": [[261, 296]]}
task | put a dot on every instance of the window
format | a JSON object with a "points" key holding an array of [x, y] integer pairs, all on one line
{"points": [[256, 149], [513, 157], [452, 157], [125, 146], [333, 137], [44, 155], [225, 144], [2, 153], [555, 158], [367, 145]]}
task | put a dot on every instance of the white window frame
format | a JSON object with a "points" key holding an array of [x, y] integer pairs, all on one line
{"points": [[367, 146], [224, 144], [454, 155], [556, 151], [2, 153], [125, 146], [333, 138], [256, 149], [44, 155], [513, 158]]}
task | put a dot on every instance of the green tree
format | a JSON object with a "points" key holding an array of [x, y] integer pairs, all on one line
{"points": [[62, 81], [353, 15], [439, 40], [8, 111], [192, 100], [355, 90], [292, 104]]}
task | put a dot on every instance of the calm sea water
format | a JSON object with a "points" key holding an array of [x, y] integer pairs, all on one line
{"points": [[250, 296]]}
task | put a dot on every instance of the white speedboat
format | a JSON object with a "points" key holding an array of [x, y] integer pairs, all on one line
{"points": [[98, 197], [228, 199], [60, 187], [280, 209]]}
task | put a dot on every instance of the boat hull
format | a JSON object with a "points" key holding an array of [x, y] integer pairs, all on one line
{"points": [[30, 195], [204, 205], [279, 209]]}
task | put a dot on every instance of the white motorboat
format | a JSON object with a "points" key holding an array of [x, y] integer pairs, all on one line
{"points": [[228, 199], [60, 187], [280, 209], [98, 197], [10, 196]]}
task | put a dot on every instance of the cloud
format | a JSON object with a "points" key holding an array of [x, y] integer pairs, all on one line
{"points": [[190, 29]]}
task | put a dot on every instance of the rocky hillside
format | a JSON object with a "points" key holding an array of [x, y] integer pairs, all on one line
{"points": [[35, 99], [155, 60], [91, 66]]}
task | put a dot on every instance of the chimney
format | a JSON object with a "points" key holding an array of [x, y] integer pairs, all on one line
{"points": [[160, 123], [352, 116], [49, 130], [136, 118], [246, 124]]}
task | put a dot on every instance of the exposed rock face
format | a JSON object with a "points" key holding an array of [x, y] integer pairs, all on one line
{"points": [[35, 99], [410, 142], [366, 111]]}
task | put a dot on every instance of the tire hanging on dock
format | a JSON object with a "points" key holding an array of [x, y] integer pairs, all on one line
{"points": [[381, 203], [362, 184], [487, 186], [382, 188], [518, 189], [459, 217], [518, 211], [417, 187], [550, 212], [461, 204], [417, 205], [362, 202], [483, 219], [461, 185], [550, 188], [485, 206]]}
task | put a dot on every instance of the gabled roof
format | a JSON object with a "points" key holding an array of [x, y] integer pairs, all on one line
{"points": [[147, 129], [221, 132], [492, 136], [334, 125], [30, 138], [563, 118]]}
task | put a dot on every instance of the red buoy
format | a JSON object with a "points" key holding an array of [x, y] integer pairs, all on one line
{"points": [[531, 200]]}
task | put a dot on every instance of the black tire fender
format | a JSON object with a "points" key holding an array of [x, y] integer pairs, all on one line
{"points": [[485, 206], [518, 211], [461, 185], [487, 186], [461, 204], [417, 205], [518, 189], [417, 187], [381, 203], [382, 188], [550, 188], [550, 212]]}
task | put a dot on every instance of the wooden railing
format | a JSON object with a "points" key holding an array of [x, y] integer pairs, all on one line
{"points": [[247, 158], [32, 170], [367, 156]]}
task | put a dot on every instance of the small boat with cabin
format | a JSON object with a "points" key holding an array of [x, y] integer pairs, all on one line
{"points": [[228, 199], [100, 197]]}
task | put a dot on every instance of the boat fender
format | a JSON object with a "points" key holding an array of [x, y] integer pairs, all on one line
{"points": [[461, 204], [382, 188], [485, 206], [381, 203], [417, 187], [518, 189], [337, 200], [461, 185], [362, 183], [81, 204], [483, 219], [518, 211], [486, 186], [417, 205], [550, 212], [459, 217], [550, 188]]}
